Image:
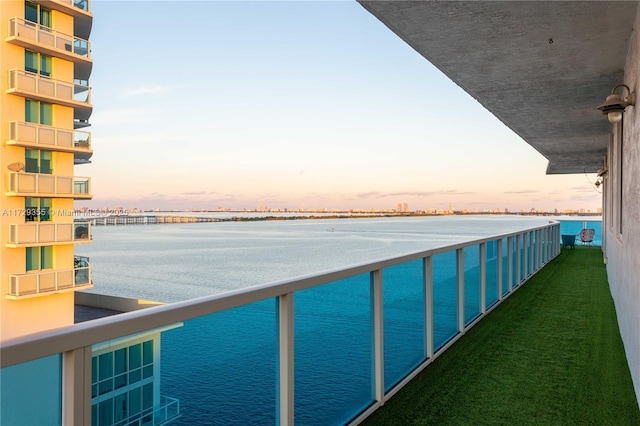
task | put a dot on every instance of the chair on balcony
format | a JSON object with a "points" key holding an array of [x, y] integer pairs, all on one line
{"points": [[587, 235], [568, 240]]}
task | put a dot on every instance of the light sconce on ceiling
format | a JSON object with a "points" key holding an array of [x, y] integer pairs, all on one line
{"points": [[614, 105]]}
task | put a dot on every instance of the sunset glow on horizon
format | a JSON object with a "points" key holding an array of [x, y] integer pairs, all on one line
{"points": [[294, 105]]}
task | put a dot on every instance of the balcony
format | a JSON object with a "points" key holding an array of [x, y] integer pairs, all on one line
{"points": [[42, 88], [36, 37], [39, 283], [48, 233], [40, 136], [359, 330], [43, 185]]}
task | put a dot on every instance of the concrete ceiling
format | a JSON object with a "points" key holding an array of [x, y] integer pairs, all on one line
{"points": [[541, 67]]}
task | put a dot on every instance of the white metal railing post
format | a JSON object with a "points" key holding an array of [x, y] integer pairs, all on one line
{"points": [[460, 273], [378, 335], [510, 263], [285, 413], [518, 259], [76, 386], [483, 277], [525, 255], [499, 268], [428, 298]]}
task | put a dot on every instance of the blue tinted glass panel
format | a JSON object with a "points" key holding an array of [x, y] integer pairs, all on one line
{"points": [[30, 393], [491, 277], [514, 251], [333, 351], [223, 366], [404, 320], [505, 266], [471, 283], [445, 298]]}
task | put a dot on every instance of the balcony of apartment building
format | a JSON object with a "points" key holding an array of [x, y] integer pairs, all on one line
{"points": [[48, 233], [40, 87], [79, 9], [363, 334], [40, 136], [40, 38], [41, 282], [24, 184]]}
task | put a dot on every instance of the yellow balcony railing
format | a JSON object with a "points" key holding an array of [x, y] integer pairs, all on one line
{"points": [[44, 185], [36, 283], [54, 42], [32, 135], [47, 89], [48, 233]]}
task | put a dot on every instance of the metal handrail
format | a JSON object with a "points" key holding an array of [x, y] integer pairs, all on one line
{"points": [[27, 348]]}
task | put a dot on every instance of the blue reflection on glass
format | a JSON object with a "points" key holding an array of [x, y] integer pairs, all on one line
{"points": [[471, 283], [222, 367], [333, 351], [491, 277], [404, 320], [31, 392], [445, 298]]}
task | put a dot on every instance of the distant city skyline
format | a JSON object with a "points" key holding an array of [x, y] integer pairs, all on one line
{"points": [[294, 105]]}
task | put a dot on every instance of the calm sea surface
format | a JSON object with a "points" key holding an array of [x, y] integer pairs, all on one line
{"points": [[173, 262]]}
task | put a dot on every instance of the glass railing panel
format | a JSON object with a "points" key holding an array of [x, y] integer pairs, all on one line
{"points": [[491, 274], [404, 320], [223, 367], [31, 392], [81, 93], [82, 4], [533, 251], [81, 139], [81, 231], [333, 351], [80, 47], [472, 308], [445, 298], [505, 266], [573, 227], [81, 185]]}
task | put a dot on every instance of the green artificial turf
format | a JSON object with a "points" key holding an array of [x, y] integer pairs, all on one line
{"points": [[550, 354]]}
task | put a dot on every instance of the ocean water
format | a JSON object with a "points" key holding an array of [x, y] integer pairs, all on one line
{"points": [[173, 262], [223, 367]]}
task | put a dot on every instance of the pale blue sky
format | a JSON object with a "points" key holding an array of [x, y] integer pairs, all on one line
{"points": [[293, 104]]}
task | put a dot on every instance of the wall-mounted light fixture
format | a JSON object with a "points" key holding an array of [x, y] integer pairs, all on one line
{"points": [[602, 171], [614, 105], [598, 182]]}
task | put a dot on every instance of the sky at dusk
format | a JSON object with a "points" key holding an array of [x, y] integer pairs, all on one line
{"points": [[293, 104]]}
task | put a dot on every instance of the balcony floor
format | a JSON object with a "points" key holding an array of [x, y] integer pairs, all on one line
{"points": [[550, 354]]}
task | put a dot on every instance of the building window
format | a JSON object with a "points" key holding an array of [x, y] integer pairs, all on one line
{"points": [[37, 14], [122, 385], [37, 161], [38, 258], [37, 209], [37, 63], [38, 112]]}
